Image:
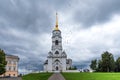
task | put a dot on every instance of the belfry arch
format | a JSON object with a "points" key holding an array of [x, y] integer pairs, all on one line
{"points": [[56, 52], [56, 42]]}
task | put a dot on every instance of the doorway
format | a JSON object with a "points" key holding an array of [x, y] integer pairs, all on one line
{"points": [[57, 68]]}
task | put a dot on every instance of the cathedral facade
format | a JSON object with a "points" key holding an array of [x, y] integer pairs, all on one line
{"points": [[57, 58]]}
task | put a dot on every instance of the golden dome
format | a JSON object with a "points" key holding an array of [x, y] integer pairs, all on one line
{"points": [[56, 26]]}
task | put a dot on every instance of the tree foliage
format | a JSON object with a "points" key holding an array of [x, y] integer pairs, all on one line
{"points": [[117, 65], [93, 64], [73, 68], [2, 62], [108, 63], [99, 68], [105, 64]]}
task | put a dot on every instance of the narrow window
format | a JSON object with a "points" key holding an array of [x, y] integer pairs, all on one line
{"points": [[56, 42], [13, 74], [9, 68], [56, 52], [14, 68], [14, 62]]}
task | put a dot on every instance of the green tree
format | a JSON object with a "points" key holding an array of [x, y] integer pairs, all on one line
{"points": [[73, 68], [107, 62], [117, 65], [2, 62], [99, 68], [93, 64]]}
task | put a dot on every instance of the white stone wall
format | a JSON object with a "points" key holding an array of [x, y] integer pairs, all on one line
{"points": [[49, 67], [45, 67], [61, 57], [64, 64]]}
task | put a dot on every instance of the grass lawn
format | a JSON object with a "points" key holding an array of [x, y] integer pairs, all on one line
{"points": [[37, 76], [91, 76]]}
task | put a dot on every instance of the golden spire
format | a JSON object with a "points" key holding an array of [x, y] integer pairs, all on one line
{"points": [[56, 26]]}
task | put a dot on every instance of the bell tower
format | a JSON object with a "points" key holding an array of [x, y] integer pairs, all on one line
{"points": [[56, 39], [57, 58]]}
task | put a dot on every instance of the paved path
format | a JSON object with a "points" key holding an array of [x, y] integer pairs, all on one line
{"points": [[56, 76], [11, 78]]}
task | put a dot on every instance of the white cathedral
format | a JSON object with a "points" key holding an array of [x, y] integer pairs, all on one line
{"points": [[57, 58]]}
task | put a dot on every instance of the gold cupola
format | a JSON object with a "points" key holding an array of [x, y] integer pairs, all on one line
{"points": [[56, 26]]}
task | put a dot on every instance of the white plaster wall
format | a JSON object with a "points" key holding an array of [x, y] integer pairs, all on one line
{"points": [[45, 67], [64, 64], [49, 67]]}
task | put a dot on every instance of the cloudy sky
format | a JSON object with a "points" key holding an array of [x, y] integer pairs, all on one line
{"points": [[89, 27]]}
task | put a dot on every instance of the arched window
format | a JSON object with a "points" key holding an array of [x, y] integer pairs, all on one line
{"points": [[56, 42], [57, 60], [56, 52]]}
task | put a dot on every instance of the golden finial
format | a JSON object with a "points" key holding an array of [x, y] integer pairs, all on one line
{"points": [[56, 26]]}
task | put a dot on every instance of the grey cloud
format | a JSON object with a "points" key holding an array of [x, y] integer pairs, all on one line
{"points": [[28, 18], [95, 12], [32, 18]]}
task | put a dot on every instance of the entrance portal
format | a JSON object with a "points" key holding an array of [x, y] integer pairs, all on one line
{"points": [[56, 68]]}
